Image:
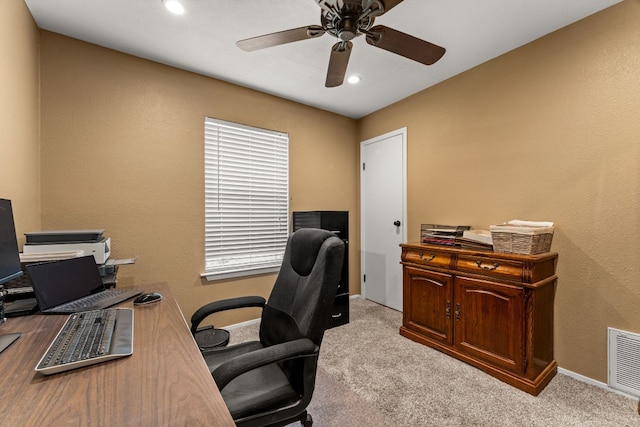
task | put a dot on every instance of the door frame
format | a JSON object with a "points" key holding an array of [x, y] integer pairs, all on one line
{"points": [[403, 133]]}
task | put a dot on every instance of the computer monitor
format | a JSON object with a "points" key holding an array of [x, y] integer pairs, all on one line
{"points": [[9, 262], [9, 255]]}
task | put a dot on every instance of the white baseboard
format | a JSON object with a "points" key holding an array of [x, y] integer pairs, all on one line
{"points": [[241, 324], [593, 382]]}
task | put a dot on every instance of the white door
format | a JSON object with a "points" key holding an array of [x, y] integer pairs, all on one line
{"points": [[383, 216]]}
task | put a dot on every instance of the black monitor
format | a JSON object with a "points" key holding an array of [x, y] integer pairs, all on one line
{"points": [[9, 255], [9, 262]]}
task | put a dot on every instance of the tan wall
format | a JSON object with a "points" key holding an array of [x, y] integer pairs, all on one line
{"points": [[122, 149], [550, 131], [19, 114]]}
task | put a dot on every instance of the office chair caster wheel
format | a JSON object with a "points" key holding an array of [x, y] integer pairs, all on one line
{"points": [[306, 420]]}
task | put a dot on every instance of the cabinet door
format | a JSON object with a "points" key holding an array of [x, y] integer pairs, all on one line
{"points": [[490, 322], [427, 303]]}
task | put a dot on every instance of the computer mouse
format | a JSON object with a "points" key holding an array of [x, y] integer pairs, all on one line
{"points": [[147, 298]]}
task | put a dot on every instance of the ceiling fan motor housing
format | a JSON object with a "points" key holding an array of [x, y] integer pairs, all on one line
{"points": [[348, 22], [347, 29]]}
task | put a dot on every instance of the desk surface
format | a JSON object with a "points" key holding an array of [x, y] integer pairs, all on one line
{"points": [[165, 382]]}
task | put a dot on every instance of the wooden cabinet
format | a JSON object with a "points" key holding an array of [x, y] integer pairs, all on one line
{"points": [[491, 310]]}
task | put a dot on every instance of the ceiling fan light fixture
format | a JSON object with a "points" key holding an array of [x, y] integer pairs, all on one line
{"points": [[354, 79], [174, 6]]}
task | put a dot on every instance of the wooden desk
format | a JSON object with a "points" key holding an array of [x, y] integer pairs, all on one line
{"points": [[164, 383]]}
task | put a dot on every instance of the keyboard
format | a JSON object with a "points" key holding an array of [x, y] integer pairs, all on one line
{"points": [[95, 301], [87, 338]]}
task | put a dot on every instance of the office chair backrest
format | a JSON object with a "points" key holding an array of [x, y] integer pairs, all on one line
{"points": [[302, 297]]}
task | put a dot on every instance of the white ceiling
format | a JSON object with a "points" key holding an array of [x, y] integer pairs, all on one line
{"points": [[203, 41]]}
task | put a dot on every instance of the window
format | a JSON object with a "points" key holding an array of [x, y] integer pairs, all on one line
{"points": [[246, 199]]}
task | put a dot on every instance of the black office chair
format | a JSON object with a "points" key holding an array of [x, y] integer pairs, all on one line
{"points": [[270, 382]]}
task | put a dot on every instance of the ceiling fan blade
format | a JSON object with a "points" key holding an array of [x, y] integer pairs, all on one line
{"points": [[281, 37], [340, 53], [380, 7], [390, 4], [404, 45]]}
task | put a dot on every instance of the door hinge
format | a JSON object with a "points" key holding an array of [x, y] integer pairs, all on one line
{"points": [[363, 167], [525, 363], [364, 277]]}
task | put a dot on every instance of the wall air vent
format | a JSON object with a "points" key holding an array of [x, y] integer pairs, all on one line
{"points": [[624, 361]]}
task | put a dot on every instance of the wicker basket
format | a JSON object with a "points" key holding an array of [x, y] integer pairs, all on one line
{"points": [[519, 239]]}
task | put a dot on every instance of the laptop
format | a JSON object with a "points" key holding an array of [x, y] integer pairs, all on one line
{"points": [[72, 285]]}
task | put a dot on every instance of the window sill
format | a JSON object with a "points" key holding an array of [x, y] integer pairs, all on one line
{"points": [[212, 277]]}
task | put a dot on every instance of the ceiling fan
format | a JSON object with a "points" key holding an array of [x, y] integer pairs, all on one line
{"points": [[345, 20]]}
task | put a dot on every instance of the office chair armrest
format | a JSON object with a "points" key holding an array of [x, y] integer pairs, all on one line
{"points": [[302, 347], [222, 305]]}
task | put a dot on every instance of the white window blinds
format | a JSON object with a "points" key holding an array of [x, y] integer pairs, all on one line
{"points": [[246, 199]]}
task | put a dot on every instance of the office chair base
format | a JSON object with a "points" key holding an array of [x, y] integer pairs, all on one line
{"points": [[305, 419]]}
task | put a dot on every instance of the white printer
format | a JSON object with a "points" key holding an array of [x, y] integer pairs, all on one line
{"points": [[91, 242]]}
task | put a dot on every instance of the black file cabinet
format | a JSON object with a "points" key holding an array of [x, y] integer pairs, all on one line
{"points": [[338, 223]]}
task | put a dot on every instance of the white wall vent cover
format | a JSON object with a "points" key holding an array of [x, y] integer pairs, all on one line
{"points": [[624, 361]]}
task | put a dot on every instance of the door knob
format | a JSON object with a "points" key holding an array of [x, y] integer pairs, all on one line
{"points": [[396, 223]]}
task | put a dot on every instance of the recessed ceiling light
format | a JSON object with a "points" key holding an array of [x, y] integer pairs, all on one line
{"points": [[174, 6], [353, 79]]}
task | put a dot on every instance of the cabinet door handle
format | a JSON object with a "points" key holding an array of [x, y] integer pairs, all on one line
{"points": [[486, 267], [335, 316], [457, 312], [447, 310], [429, 258]]}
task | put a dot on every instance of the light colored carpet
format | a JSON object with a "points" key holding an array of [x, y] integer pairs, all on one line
{"points": [[366, 367]]}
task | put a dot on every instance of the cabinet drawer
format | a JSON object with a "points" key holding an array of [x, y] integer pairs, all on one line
{"points": [[427, 257], [340, 311], [492, 267]]}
